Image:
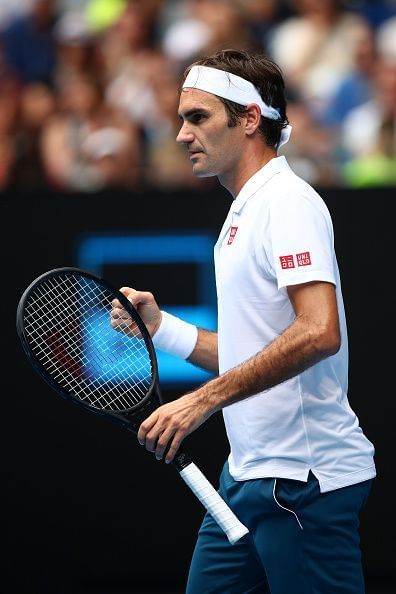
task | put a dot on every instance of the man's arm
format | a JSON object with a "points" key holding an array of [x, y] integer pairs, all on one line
{"points": [[205, 353], [313, 336]]}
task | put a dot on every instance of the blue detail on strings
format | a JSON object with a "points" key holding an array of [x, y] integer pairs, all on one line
{"points": [[107, 350]]}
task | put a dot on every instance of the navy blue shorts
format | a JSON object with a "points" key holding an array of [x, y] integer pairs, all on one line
{"points": [[301, 541]]}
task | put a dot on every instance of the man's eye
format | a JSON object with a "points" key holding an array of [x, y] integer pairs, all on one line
{"points": [[197, 118]]}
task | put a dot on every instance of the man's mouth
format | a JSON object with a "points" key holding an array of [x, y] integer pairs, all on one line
{"points": [[194, 153]]}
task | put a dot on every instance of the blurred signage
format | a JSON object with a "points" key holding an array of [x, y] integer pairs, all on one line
{"points": [[181, 261]]}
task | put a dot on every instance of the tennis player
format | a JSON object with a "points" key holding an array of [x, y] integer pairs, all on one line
{"points": [[300, 467]]}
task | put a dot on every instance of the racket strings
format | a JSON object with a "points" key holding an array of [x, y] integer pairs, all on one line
{"points": [[98, 399], [87, 308], [62, 358], [68, 326]]}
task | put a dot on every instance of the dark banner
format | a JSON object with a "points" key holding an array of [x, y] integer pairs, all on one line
{"points": [[87, 510]]}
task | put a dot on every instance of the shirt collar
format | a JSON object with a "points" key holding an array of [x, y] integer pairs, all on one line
{"points": [[274, 166]]}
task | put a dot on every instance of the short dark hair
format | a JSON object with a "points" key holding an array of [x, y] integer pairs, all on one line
{"points": [[264, 74]]}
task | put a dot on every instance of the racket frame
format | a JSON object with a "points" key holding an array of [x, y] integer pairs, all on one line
{"points": [[129, 418]]}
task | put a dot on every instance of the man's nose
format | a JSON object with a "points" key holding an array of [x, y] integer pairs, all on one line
{"points": [[185, 135]]}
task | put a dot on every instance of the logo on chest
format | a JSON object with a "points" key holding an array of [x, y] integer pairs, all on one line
{"points": [[231, 237]]}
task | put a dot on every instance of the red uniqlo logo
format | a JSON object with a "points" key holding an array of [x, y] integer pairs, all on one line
{"points": [[303, 259], [232, 235], [287, 262]]}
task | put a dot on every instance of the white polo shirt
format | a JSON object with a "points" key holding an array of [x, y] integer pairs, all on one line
{"points": [[278, 233]]}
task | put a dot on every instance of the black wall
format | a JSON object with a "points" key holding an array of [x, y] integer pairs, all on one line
{"points": [[85, 509]]}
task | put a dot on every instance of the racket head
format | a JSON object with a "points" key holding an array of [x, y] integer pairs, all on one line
{"points": [[64, 325]]}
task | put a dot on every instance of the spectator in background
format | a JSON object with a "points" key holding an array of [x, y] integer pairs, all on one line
{"points": [[375, 11], [261, 16], [28, 43], [9, 89], [205, 26], [8, 114], [311, 152], [316, 49], [185, 34], [124, 53], [36, 106], [75, 44], [227, 25], [369, 133], [386, 38], [166, 164], [87, 145], [10, 9], [113, 152], [356, 87]]}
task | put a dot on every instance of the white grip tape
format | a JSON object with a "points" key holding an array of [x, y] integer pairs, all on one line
{"points": [[214, 504]]}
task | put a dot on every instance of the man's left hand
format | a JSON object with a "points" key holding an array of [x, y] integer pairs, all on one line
{"points": [[164, 430]]}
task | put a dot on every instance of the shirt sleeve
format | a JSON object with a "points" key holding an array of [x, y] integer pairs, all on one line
{"points": [[299, 240]]}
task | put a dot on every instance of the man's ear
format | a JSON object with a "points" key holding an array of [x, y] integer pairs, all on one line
{"points": [[253, 118]]}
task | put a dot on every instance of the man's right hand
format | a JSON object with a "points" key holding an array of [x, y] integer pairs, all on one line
{"points": [[146, 306]]}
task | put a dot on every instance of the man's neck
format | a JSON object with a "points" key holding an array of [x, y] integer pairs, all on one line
{"points": [[251, 162]]}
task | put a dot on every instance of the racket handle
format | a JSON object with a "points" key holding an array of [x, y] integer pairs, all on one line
{"points": [[213, 502]]}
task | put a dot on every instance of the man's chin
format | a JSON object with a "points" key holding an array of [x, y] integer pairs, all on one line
{"points": [[201, 172]]}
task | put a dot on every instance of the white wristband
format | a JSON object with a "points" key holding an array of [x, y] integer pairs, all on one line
{"points": [[175, 336]]}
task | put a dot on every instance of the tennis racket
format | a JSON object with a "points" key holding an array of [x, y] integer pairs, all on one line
{"points": [[64, 324]]}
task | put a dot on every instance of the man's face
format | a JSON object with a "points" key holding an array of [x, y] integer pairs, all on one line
{"points": [[213, 147]]}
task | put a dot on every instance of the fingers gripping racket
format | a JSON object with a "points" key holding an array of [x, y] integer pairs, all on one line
{"points": [[64, 324]]}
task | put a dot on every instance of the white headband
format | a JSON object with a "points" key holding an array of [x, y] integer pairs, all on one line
{"points": [[234, 88]]}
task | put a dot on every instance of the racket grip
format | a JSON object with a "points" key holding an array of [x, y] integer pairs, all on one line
{"points": [[213, 502]]}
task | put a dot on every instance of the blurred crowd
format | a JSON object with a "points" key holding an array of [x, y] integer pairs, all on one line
{"points": [[89, 88]]}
